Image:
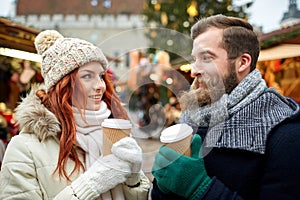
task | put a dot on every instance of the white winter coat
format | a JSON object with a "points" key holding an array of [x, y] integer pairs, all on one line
{"points": [[31, 158]]}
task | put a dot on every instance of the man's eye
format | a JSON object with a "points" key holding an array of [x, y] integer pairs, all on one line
{"points": [[206, 58]]}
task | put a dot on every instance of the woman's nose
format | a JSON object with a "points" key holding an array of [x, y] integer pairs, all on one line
{"points": [[100, 84]]}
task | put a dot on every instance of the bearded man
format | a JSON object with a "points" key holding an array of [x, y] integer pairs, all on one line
{"points": [[250, 132]]}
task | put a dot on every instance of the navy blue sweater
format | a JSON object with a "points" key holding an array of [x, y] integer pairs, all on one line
{"points": [[240, 174]]}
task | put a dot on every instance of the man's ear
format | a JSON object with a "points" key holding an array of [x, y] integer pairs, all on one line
{"points": [[244, 63]]}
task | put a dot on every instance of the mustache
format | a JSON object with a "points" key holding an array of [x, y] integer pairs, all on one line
{"points": [[196, 96], [209, 82]]}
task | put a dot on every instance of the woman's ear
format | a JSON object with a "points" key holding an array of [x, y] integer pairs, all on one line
{"points": [[244, 63]]}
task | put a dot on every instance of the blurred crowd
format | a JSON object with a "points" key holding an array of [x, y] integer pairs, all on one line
{"points": [[153, 84]]}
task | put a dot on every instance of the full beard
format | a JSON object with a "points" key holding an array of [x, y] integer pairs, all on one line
{"points": [[211, 90]]}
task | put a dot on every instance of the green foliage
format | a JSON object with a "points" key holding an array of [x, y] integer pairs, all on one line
{"points": [[174, 15]]}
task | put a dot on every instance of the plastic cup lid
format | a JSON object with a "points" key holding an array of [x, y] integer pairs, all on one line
{"points": [[175, 133], [117, 123]]}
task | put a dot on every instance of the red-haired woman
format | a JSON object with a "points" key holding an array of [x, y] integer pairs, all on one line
{"points": [[57, 154]]}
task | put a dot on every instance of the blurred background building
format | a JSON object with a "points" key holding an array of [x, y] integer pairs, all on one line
{"points": [[110, 24]]}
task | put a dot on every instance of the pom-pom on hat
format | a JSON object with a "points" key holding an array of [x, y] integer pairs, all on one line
{"points": [[60, 55]]}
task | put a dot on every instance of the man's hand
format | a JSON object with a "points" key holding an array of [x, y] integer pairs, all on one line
{"points": [[181, 175]]}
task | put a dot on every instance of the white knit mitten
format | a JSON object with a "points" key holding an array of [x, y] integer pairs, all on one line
{"points": [[128, 150], [106, 173]]}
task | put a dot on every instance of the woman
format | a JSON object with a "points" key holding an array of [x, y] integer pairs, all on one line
{"points": [[57, 154]]}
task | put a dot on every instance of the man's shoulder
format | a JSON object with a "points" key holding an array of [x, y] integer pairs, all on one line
{"points": [[286, 133], [290, 124]]}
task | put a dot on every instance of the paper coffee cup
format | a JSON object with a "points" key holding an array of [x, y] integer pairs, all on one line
{"points": [[178, 137], [113, 131]]}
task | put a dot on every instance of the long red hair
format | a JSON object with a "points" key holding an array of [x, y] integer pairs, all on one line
{"points": [[59, 100]]}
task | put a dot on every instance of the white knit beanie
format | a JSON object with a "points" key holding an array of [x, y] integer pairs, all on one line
{"points": [[60, 55]]}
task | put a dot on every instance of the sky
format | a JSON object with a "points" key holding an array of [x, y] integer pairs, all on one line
{"points": [[268, 13], [265, 13]]}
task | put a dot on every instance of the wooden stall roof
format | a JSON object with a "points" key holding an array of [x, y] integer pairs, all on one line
{"points": [[280, 52], [17, 36], [20, 37], [287, 35]]}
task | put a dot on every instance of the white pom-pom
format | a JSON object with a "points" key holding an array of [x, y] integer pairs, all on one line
{"points": [[45, 39]]}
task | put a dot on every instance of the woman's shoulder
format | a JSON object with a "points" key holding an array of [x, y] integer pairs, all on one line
{"points": [[22, 139], [30, 140], [27, 147], [18, 148]]}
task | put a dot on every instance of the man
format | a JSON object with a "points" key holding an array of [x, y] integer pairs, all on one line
{"points": [[250, 133]]}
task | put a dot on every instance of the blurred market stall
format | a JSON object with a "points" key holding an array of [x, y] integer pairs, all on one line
{"points": [[279, 60], [19, 68]]}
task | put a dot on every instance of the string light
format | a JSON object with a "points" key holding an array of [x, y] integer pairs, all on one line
{"points": [[192, 9], [185, 68]]}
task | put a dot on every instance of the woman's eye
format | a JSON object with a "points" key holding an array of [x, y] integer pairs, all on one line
{"points": [[86, 76]]}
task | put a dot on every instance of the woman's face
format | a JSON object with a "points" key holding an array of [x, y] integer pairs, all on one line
{"points": [[91, 77]]}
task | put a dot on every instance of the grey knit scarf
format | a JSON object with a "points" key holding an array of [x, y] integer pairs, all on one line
{"points": [[243, 118]]}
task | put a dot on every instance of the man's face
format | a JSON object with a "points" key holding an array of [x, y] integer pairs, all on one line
{"points": [[214, 73]]}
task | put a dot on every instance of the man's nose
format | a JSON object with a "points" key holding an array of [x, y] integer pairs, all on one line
{"points": [[194, 70]]}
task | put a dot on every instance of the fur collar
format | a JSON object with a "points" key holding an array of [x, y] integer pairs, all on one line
{"points": [[33, 117]]}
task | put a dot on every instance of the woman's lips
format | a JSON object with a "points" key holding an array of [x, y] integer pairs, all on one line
{"points": [[97, 97]]}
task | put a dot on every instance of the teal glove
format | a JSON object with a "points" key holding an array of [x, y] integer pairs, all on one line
{"points": [[181, 175]]}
